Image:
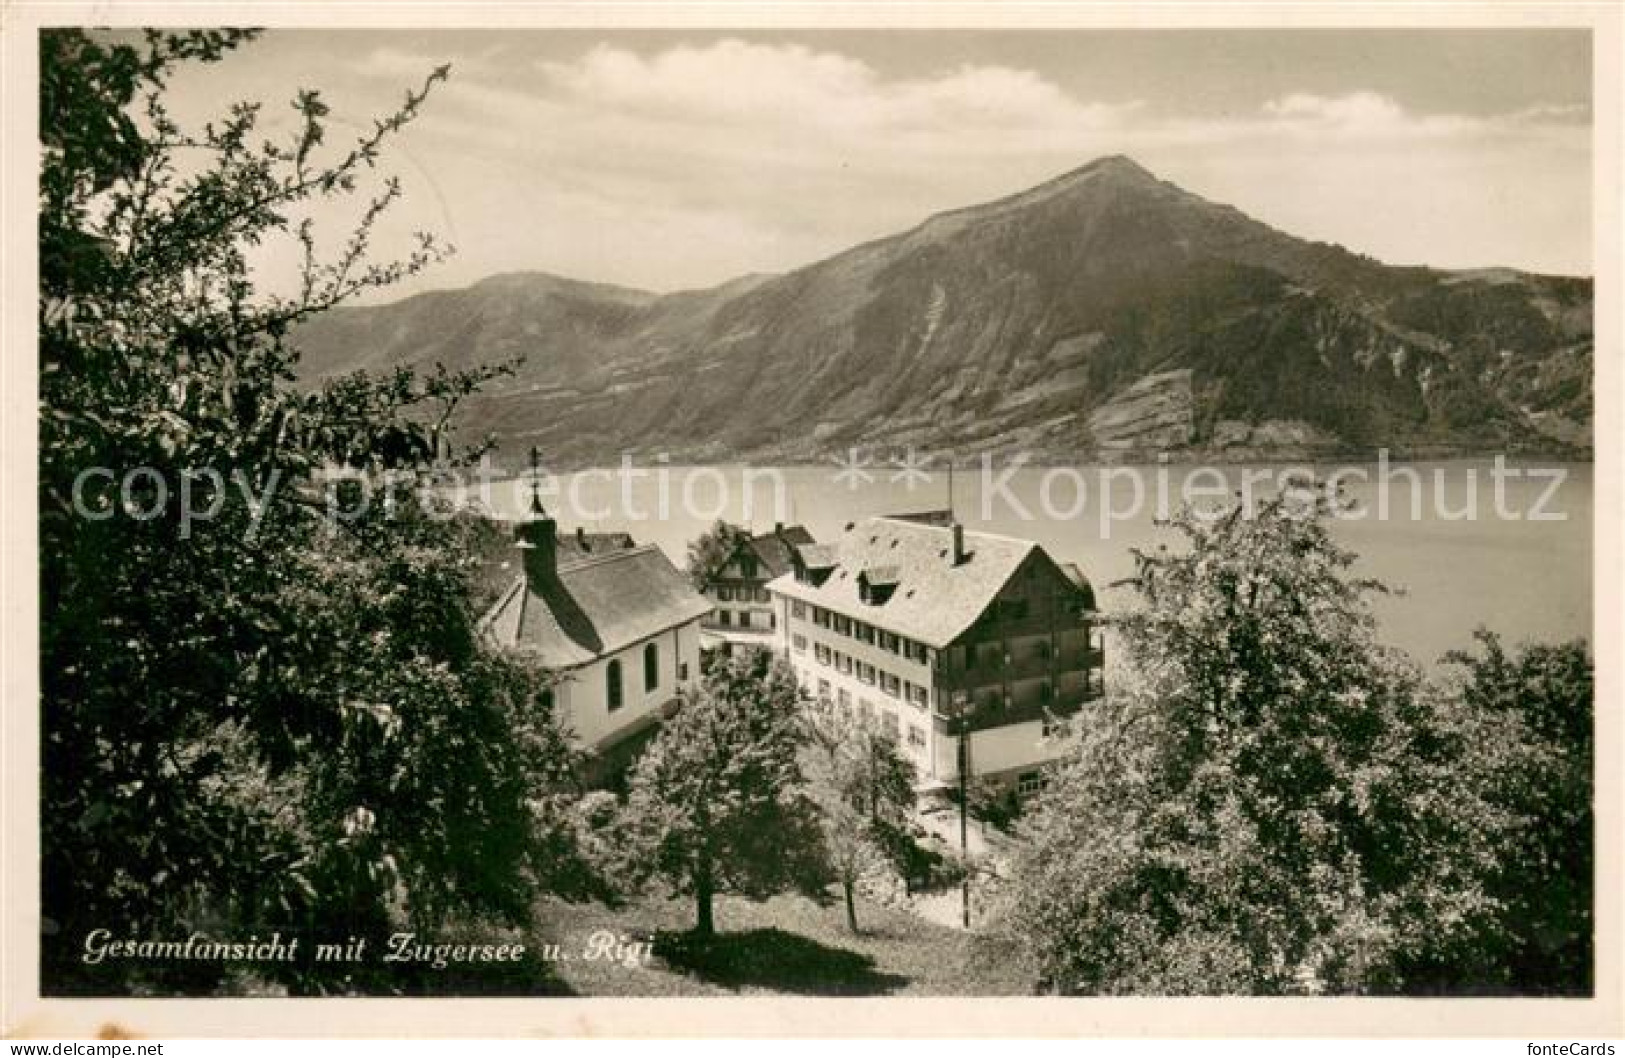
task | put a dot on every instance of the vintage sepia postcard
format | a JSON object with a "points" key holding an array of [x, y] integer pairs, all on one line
{"points": [[885, 519]]}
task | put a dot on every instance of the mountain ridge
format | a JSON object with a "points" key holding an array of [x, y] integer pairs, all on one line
{"points": [[1024, 323]]}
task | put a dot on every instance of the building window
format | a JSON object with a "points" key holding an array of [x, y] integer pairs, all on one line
{"points": [[798, 610], [682, 671], [1029, 783], [612, 684], [651, 667], [744, 618], [546, 699], [747, 567], [725, 594], [916, 736], [823, 689], [799, 642], [725, 618]]}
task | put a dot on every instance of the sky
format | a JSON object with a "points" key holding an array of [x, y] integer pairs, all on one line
{"points": [[669, 160]]}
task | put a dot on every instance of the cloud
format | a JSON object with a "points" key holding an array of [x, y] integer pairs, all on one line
{"points": [[1567, 113], [783, 135], [1358, 108], [685, 165], [735, 81], [806, 150], [1372, 115], [791, 106]]}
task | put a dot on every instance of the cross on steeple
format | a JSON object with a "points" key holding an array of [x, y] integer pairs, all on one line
{"points": [[536, 481], [538, 534]]}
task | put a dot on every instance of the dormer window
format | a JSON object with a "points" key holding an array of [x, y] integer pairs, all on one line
{"points": [[813, 563], [876, 584]]}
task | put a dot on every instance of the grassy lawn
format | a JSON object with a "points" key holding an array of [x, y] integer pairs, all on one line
{"points": [[785, 946]]}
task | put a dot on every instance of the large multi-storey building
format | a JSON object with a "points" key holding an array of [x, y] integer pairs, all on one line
{"points": [[941, 635], [742, 613]]}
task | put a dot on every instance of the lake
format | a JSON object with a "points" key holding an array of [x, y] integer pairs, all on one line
{"points": [[1521, 567]]}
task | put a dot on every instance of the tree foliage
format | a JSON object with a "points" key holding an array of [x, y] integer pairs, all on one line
{"points": [[1539, 700], [718, 800], [1271, 803], [262, 718], [864, 789], [708, 551]]}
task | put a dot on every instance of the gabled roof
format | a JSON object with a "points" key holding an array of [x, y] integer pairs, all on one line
{"points": [[934, 601], [594, 606], [498, 558], [773, 550]]}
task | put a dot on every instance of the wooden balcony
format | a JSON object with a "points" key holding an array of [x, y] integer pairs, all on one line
{"points": [[1031, 665], [990, 714]]}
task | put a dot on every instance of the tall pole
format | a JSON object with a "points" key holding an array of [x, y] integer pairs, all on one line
{"points": [[964, 830], [964, 806]]}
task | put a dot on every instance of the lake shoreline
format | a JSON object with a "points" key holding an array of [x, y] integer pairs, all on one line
{"points": [[1528, 580], [1520, 460]]}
